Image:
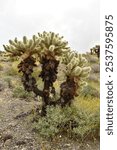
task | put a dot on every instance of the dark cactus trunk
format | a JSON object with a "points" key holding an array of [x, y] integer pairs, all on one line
{"points": [[68, 91], [26, 67], [49, 76]]}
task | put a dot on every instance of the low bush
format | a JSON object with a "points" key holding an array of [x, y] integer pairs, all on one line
{"points": [[72, 121], [8, 80], [19, 92], [13, 71], [95, 68]]}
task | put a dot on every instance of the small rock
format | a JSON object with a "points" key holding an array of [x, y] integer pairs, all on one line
{"points": [[16, 146], [67, 145], [8, 142], [12, 124], [7, 136], [23, 149]]}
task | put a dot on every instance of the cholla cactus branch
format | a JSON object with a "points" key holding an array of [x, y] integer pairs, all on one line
{"points": [[76, 72], [26, 67], [24, 48]]}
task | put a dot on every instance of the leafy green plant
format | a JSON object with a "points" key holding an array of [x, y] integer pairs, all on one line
{"points": [[72, 121], [49, 49]]}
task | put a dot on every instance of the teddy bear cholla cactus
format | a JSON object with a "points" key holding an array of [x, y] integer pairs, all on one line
{"points": [[45, 48], [25, 50], [76, 72], [52, 46]]}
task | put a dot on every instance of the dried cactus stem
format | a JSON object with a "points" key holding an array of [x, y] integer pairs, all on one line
{"points": [[49, 76], [29, 82], [68, 91]]}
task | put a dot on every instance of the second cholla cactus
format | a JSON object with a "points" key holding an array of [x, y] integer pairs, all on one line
{"points": [[76, 70]]}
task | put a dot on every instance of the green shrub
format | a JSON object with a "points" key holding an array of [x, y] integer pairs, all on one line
{"points": [[8, 80], [89, 125], [19, 92], [13, 71], [71, 121]]}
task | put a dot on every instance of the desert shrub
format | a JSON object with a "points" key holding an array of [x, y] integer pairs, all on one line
{"points": [[13, 71], [8, 80], [90, 91], [93, 77], [71, 121], [89, 125], [90, 108], [92, 59], [11, 82], [95, 68], [19, 92]]}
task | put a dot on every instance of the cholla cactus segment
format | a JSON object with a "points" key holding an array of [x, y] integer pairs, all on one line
{"points": [[53, 44], [26, 46], [77, 71], [75, 64], [76, 68]]}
